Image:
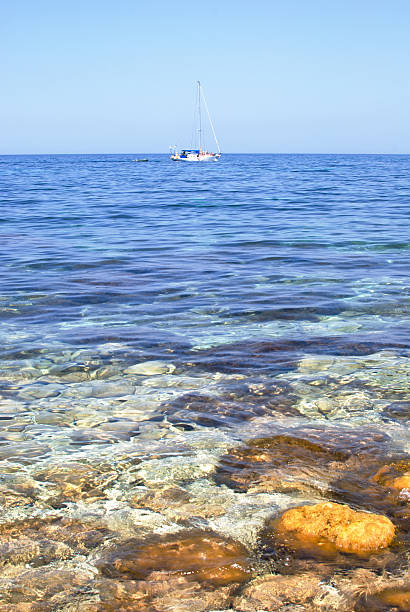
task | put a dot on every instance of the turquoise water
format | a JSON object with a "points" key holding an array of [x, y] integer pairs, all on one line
{"points": [[151, 313]]}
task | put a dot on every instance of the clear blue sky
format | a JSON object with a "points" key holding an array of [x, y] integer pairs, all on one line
{"points": [[280, 76]]}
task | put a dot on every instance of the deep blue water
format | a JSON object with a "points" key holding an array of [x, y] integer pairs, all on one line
{"points": [[96, 246]]}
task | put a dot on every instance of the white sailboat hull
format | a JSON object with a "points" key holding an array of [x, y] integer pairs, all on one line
{"points": [[196, 158]]}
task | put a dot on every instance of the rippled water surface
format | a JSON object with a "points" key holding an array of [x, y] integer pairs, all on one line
{"points": [[161, 321]]}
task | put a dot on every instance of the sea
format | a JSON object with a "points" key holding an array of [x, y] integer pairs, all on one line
{"points": [[187, 351]]}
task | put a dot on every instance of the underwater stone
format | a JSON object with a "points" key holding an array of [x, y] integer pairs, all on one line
{"points": [[151, 368], [398, 599], [43, 589], [231, 407], [395, 475], [176, 594], [23, 452], [199, 555], [76, 481], [296, 458], [271, 592], [315, 364], [44, 541], [17, 491], [112, 389], [179, 504], [40, 390], [105, 372], [180, 468], [175, 381], [44, 417], [98, 389], [336, 524], [399, 411]]}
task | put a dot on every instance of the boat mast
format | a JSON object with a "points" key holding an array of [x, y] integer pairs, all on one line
{"points": [[199, 115]]}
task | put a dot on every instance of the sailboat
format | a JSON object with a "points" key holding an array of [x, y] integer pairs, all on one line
{"points": [[198, 154]]}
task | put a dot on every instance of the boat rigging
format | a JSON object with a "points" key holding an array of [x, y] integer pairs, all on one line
{"points": [[198, 154]]}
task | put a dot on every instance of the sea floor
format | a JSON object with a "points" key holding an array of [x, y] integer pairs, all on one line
{"points": [[136, 485]]}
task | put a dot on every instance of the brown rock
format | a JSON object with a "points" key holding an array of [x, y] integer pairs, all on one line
{"points": [[121, 596], [202, 556], [40, 542], [47, 590], [16, 494], [394, 598], [20, 607], [77, 481], [272, 592], [399, 598], [402, 482], [156, 594], [338, 525], [295, 458], [395, 475], [43, 589]]}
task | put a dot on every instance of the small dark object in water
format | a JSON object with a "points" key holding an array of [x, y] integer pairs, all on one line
{"points": [[140, 160]]}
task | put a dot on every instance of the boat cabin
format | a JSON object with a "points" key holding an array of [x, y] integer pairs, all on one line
{"points": [[186, 152]]}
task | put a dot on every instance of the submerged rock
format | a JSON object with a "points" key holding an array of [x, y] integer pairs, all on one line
{"points": [[395, 475], [302, 458], [177, 503], [398, 599], [233, 405], [151, 368], [200, 555], [207, 411], [39, 542], [40, 390], [399, 411], [176, 594], [336, 525], [177, 469], [24, 452], [271, 592], [44, 589], [76, 481]]}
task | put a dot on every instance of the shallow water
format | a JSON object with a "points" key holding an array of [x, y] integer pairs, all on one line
{"points": [[155, 319]]}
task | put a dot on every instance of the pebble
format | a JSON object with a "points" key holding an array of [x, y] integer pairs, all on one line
{"points": [[40, 390], [151, 368]]}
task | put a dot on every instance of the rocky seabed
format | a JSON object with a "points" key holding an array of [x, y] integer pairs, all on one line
{"points": [[156, 485]]}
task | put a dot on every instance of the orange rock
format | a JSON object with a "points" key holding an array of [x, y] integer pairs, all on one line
{"points": [[395, 598], [399, 483], [349, 531], [395, 475], [202, 556], [399, 598]]}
